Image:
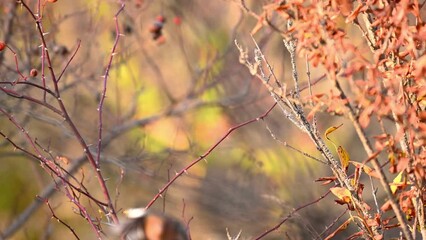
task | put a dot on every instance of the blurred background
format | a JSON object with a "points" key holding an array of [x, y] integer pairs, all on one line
{"points": [[172, 93]]}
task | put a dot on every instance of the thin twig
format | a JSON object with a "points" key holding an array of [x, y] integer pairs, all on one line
{"points": [[194, 162], [278, 225], [57, 218]]}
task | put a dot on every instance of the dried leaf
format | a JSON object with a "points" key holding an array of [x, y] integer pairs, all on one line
{"points": [[356, 235], [357, 164], [342, 193], [343, 156], [369, 171], [345, 6], [322, 179], [330, 130], [386, 206], [355, 13], [326, 180], [339, 229]]}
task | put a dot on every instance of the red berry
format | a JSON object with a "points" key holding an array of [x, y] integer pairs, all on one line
{"points": [[138, 3], [33, 72], [177, 20], [2, 46], [160, 18]]}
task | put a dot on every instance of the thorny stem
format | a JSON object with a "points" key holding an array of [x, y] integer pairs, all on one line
{"points": [[189, 166], [68, 119], [297, 116], [58, 219], [106, 75], [52, 167], [369, 150], [285, 144], [277, 226], [78, 162], [69, 61]]}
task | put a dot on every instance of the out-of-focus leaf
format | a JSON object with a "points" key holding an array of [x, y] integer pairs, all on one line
{"points": [[386, 206], [345, 6], [258, 26], [330, 130], [355, 13], [343, 156]]}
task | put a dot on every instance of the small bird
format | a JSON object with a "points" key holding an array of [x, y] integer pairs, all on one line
{"points": [[157, 27], [148, 225]]}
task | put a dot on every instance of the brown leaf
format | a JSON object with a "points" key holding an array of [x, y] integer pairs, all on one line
{"points": [[326, 180]]}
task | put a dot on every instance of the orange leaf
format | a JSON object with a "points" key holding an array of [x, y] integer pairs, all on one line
{"points": [[386, 206], [369, 171], [345, 6], [342, 193], [355, 13], [339, 229]]}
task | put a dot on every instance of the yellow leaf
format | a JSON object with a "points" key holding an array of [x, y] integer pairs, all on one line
{"points": [[330, 130], [397, 181], [341, 192], [344, 157]]}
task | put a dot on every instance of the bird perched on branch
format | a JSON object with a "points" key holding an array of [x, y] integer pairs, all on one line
{"points": [[147, 225]]}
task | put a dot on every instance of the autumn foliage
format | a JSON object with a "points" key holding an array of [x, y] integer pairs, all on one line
{"points": [[353, 69], [385, 73]]}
